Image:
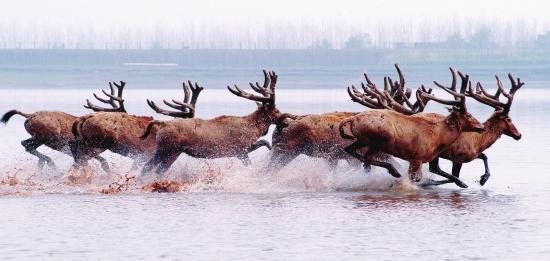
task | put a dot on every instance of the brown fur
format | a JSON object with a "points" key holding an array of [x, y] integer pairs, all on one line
{"points": [[223, 136], [50, 128], [417, 138], [315, 135], [470, 144], [118, 132]]}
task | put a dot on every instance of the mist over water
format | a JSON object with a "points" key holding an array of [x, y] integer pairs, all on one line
{"points": [[244, 24]]}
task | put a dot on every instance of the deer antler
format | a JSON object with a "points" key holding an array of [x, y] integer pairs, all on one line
{"points": [[482, 96], [369, 99], [391, 97], [459, 97], [113, 100], [186, 108], [420, 103], [267, 90]]}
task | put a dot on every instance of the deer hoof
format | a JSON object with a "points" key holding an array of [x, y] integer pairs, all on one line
{"points": [[484, 179], [366, 167], [395, 174], [461, 184]]}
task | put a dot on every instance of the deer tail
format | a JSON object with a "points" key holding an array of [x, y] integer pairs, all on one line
{"points": [[9, 114], [343, 123]]}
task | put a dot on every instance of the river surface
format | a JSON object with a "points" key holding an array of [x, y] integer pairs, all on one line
{"points": [[303, 212]]}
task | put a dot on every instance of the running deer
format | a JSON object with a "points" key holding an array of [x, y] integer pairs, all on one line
{"points": [[470, 145], [50, 128], [53, 129], [415, 138], [317, 135], [117, 131], [223, 136]]}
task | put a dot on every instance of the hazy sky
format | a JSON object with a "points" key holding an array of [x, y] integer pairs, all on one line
{"points": [[283, 21]]}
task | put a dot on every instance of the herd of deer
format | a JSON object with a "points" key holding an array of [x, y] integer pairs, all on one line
{"points": [[395, 126]]}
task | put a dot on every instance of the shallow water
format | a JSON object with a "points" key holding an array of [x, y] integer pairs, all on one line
{"points": [[229, 211]]}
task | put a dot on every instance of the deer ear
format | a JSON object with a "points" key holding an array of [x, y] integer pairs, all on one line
{"points": [[450, 109], [259, 104]]}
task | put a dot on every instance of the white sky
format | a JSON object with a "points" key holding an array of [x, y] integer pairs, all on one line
{"points": [[245, 18]]}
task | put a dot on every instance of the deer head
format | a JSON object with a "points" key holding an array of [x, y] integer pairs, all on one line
{"points": [[459, 116], [186, 108], [265, 102], [116, 102], [501, 116]]}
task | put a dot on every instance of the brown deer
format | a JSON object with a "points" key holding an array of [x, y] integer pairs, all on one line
{"points": [[317, 135], [415, 138], [53, 129], [470, 145], [118, 131], [223, 136], [50, 128]]}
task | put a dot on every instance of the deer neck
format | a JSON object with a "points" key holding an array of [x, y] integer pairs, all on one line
{"points": [[491, 134], [261, 120], [449, 130]]}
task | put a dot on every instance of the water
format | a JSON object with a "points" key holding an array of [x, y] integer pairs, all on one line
{"points": [[229, 211]]}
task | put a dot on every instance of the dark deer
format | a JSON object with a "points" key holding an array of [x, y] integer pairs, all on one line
{"points": [[50, 128], [317, 135], [415, 138], [223, 136], [470, 145], [118, 131]]}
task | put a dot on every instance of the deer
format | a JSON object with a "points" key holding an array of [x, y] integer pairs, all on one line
{"points": [[220, 137], [317, 135], [416, 138], [470, 145], [115, 130], [52, 129]]}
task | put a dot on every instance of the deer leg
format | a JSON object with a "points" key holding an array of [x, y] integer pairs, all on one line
{"points": [[354, 163], [259, 144], [279, 159], [387, 166], [332, 164], [121, 149], [104, 164], [245, 159], [135, 165], [82, 159], [487, 174], [152, 163], [450, 178], [79, 149], [434, 167], [352, 150], [166, 162], [371, 159], [415, 171], [30, 146]]}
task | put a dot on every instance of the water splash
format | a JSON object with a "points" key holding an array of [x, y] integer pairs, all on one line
{"points": [[304, 174]]}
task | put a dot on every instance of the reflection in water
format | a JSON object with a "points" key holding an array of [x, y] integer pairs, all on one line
{"points": [[433, 198]]}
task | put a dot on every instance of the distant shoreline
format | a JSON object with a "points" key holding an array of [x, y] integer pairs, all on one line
{"points": [[318, 57]]}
